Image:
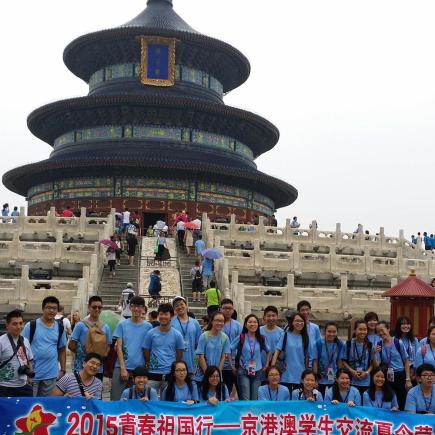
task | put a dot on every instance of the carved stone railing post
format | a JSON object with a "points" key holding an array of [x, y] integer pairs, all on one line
{"points": [[51, 218], [287, 233], [382, 236], [292, 295], [345, 296], [401, 267], [338, 238], [296, 257], [24, 284], [360, 235], [258, 257], [402, 237], [59, 243], [21, 219], [82, 220], [261, 231], [233, 230], [15, 246]]}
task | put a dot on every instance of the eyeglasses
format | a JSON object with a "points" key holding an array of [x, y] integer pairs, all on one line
{"points": [[180, 370], [97, 307], [428, 375], [48, 308]]}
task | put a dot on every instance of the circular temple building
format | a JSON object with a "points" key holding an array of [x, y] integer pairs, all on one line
{"points": [[153, 134]]}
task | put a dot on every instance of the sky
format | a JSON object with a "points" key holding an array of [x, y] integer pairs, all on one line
{"points": [[349, 84]]}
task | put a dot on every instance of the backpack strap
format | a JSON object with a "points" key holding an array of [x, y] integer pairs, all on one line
{"points": [[80, 383], [348, 346], [397, 344], [32, 330], [130, 393], [239, 349], [149, 393], [61, 330]]}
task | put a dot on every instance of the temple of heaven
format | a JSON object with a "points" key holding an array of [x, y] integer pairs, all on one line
{"points": [[153, 134]]}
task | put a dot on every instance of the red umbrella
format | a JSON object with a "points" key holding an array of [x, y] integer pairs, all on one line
{"points": [[190, 226], [109, 243]]}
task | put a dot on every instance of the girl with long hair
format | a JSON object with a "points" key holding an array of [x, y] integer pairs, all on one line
{"points": [[330, 353], [300, 354], [342, 392], [180, 387], [380, 394], [273, 391], [391, 356], [358, 356], [307, 390], [249, 346], [403, 331], [213, 347], [212, 389]]}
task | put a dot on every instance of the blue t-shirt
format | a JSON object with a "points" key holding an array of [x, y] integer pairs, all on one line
{"points": [[232, 329], [251, 352], [79, 335], [199, 246], [44, 349], [126, 394], [212, 347], [373, 338], [132, 336], [182, 394], [390, 355], [411, 348], [163, 347], [417, 402], [295, 357], [265, 393], [379, 401], [298, 394], [211, 394], [191, 331], [272, 338], [352, 395], [428, 353], [329, 353], [360, 357], [313, 332]]}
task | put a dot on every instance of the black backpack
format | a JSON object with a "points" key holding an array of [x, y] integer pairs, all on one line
{"points": [[198, 275]]}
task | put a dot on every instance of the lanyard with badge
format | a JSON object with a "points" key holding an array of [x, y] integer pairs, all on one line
{"points": [[359, 358], [184, 332], [427, 403], [330, 368], [252, 364], [390, 370]]}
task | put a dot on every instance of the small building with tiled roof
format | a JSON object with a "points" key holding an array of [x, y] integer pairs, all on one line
{"points": [[413, 298]]}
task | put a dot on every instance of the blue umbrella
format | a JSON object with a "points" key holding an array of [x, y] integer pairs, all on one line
{"points": [[212, 254]]}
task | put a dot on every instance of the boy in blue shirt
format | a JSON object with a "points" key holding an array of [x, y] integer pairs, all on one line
{"points": [[189, 328], [140, 389], [162, 346], [48, 345], [421, 399], [130, 334], [79, 336]]}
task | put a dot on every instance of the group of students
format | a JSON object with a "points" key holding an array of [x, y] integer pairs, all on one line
{"points": [[178, 361]]}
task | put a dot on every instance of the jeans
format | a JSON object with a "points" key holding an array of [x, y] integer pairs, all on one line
{"points": [[248, 385]]}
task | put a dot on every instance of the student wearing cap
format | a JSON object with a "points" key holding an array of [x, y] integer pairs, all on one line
{"points": [[140, 390], [189, 328], [130, 334]]}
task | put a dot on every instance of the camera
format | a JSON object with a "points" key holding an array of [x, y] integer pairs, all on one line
{"points": [[26, 370]]}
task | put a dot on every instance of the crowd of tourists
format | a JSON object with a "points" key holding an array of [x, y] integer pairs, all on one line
{"points": [[174, 359]]}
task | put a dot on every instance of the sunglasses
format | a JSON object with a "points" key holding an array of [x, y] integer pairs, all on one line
{"points": [[97, 307]]}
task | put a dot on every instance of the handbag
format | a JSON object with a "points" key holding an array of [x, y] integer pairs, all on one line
{"points": [[156, 247]]}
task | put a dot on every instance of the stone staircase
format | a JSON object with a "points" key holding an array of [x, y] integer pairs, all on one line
{"points": [[110, 288], [186, 263]]}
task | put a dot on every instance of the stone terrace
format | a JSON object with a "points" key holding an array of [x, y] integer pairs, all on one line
{"points": [[342, 274]]}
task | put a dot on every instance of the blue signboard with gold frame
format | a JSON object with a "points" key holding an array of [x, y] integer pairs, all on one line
{"points": [[157, 61]]}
